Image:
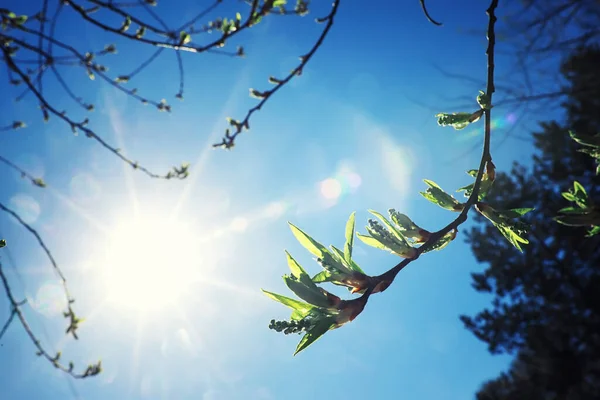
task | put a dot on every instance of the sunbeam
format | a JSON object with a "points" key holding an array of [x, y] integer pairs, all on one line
{"points": [[206, 151]]}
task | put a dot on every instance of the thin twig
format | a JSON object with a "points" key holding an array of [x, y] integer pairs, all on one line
{"points": [[54, 360], [228, 141]]}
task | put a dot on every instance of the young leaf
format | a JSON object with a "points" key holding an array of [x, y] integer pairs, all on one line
{"points": [[503, 221], [371, 241], [316, 248], [318, 330], [436, 195], [458, 120], [586, 140], [349, 238], [484, 187], [298, 272], [391, 227], [483, 100], [443, 242], [311, 294], [594, 231], [323, 276], [301, 307], [408, 228], [184, 37]]}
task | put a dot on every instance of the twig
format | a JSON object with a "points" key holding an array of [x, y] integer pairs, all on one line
{"points": [[427, 14], [228, 140], [54, 360]]}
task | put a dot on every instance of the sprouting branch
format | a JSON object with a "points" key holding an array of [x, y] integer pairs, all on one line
{"points": [[228, 141], [91, 370], [75, 126], [35, 181], [385, 279], [321, 310], [57, 270]]}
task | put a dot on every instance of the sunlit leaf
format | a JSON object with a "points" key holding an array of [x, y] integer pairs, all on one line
{"points": [[302, 307], [586, 140], [504, 221], [323, 276], [311, 294], [318, 330], [184, 37], [391, 227], [436, 195], [483, 100], [458, 120], [349, 237], [370, 241], [316, 248], [298, 272], [594, 231], [443, 242]]}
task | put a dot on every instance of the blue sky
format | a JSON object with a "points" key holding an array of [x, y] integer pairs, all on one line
{"points": [[351, 118]]}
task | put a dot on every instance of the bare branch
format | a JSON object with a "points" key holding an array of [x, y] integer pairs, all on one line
{"points": [[228, 140]]}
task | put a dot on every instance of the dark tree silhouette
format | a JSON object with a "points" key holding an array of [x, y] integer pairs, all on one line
{"points": [[546, 306]]}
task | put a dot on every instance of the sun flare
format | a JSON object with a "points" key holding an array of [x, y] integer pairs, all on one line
{"points": [[149, 263]]}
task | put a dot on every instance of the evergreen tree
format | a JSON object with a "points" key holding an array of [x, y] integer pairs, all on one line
{"points": [[546, 305]]}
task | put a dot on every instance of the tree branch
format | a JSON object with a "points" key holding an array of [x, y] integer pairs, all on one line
{"points": [[228, 140], [382, 282]]}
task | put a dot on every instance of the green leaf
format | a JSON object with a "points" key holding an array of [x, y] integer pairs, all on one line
{"points": [[512, 236], [311, 294], [594, 231], [483, 100], [20, 20], [568, 195], [349, 238], [579, 188], [458, 120], [391, 227], [436, 195], [279, 3], [39, 182], [298, 272], [515, 212], [586, 140], [184, 37], [318, 330], [443, 242], [299, 306], [323, 276], [484, 187], [316, 248], [371, 241], [502, 220]]}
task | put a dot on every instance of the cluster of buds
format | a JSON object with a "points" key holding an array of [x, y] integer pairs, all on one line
{"points": [[289, 327]]}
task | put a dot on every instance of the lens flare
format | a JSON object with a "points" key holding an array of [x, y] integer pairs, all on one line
{"points": [[331, 188]]}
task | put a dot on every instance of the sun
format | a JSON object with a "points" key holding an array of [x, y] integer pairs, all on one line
{"points": [[149, 263]]}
